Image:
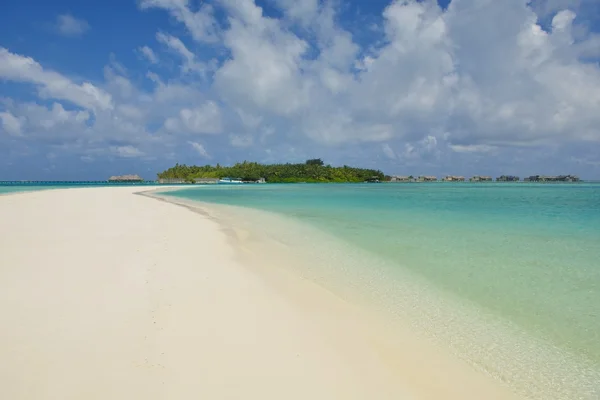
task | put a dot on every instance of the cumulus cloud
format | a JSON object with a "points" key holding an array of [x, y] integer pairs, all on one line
{"points": [[203, 119], [388, 151], [433, 86], [11, 124], [241, 140], [201, 24], [471, 148], [189, 59], [426, 148], [263, 71], [52, 123], [68, 25], [199, 148], [149, 54], [126, 151], [50, 84]]}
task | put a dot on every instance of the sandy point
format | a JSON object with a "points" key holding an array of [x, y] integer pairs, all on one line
{"points": [[109, 295]]}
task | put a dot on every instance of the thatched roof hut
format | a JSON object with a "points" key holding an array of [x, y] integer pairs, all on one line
{"points": [[125, 178], [480, 178], [454, 178], [397, 178], [508, 178]]}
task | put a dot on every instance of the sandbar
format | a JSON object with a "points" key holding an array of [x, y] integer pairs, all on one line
{"points": [[106, 294]]}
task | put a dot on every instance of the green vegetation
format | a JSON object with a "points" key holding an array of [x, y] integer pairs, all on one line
{"points": [[313, 171], [315, 161]]}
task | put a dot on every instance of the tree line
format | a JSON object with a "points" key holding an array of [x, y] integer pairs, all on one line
{"points": [[312, 171]]}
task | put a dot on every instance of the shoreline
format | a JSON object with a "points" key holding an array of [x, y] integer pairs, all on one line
{"points": [[434, 372], [129, 297], [494, 347]]}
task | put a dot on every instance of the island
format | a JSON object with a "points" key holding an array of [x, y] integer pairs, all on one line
{"points": [[311, 171]]}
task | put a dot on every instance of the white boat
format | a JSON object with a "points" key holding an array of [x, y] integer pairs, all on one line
{"points": [[230, 180]]}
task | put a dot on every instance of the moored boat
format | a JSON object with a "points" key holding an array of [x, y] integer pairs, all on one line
{"points": [[230, 180]]}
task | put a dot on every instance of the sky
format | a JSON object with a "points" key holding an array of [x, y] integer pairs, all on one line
{"points": [[90, 89]]}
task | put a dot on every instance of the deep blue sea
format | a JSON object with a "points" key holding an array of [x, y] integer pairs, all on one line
{"points": [[507, 275]]}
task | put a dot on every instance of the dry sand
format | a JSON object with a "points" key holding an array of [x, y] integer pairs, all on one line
{"points": [[109, 295]]}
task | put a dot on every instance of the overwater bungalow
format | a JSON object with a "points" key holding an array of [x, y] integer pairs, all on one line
{"points": [[171, 181], [508, 178], [228, 180], [453, 178], [396, 178], [480, 178], [427, 178], [206, 180], [125, 178], [559, 178]]}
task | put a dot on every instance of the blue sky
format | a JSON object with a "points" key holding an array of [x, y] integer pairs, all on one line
{"points": [[92, 89]]}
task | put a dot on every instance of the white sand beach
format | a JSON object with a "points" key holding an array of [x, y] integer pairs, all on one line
{"points": [[105, 294]]}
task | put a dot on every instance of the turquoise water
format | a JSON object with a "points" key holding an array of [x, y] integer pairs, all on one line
{"points": [[17, 189], [525, 255], [25, 187]]}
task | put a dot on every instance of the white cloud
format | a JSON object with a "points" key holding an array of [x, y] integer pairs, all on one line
{"points": [[437, 84], [126, 151], [471, 148], [241, 140], [119, 86], [68, 25], [149, 54], [425, 150], [189, 59], [131, 112], [388, 151], [264, 69], [545, 8], [248, 119], [304, 11], [46, 123], [199, 149], [201, 24], [203, 119], [52, 84], [11, 124]]}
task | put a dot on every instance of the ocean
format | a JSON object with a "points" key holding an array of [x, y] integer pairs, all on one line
{"points": [[6, 188], [506, 275], [17, 189]]}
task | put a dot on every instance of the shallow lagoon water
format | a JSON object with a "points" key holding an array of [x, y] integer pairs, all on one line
{"points": [[521, 259]]}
